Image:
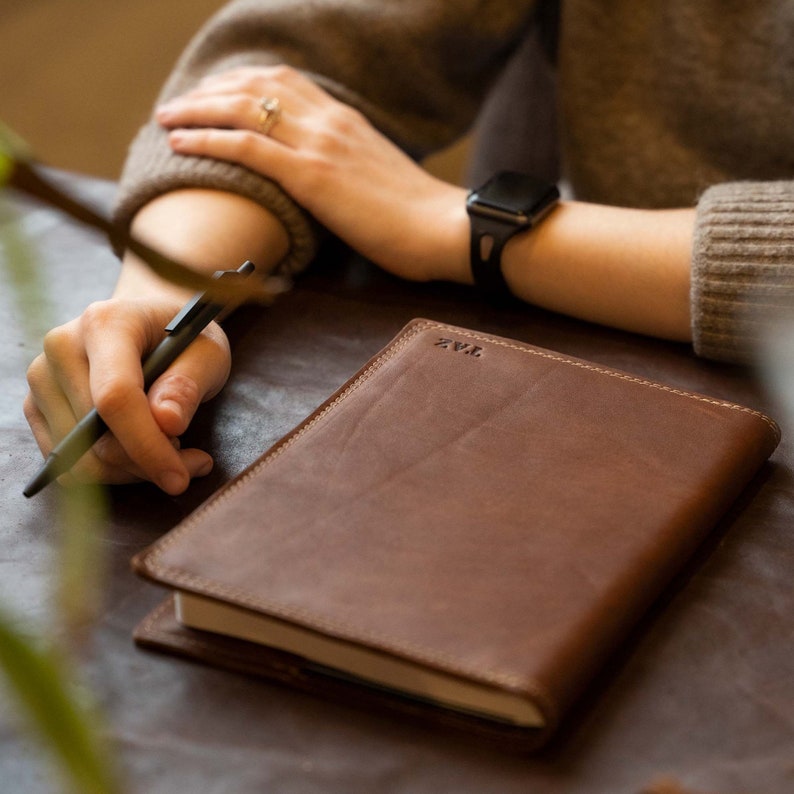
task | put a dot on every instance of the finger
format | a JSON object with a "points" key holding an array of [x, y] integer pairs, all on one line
{"points": [[39, 425], [240, 112], [46, 407], [90, 467], [115, 345], [50, 416], [244, 90], [118, 468], [58, 380], [276, 80], [112, 465], [196, 376], [258, 152]]}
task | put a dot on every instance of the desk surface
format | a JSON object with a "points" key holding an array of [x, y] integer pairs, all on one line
{"points": [[703, 693]]}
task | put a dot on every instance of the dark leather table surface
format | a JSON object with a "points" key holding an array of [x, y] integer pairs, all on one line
{"points": [[703, 693]]}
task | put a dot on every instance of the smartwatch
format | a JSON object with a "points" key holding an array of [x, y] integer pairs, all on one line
{"points": [[506, 204]]}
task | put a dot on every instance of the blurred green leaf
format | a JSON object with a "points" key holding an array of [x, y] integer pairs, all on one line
{"points": [[40, 687], [12, 148], [27, 177], [81, 564], [38, 677], [22, 276], [6, 167]]}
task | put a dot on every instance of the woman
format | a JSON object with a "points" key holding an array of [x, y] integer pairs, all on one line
{"points": [[670, 121]]}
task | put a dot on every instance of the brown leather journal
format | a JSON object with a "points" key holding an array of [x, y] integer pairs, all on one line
{"points": [[466, 530]]}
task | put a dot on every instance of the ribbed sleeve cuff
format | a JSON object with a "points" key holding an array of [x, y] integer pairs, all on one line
{"points": [[152, 169], [742, 266]]}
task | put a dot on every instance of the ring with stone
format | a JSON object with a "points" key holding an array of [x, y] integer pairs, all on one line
{"points": [[269, 114]]}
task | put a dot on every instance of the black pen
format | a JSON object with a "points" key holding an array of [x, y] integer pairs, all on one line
{"points": [[194, 317]]}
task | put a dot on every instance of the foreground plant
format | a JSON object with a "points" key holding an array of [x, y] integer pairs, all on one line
{"points": [[41, 674]]}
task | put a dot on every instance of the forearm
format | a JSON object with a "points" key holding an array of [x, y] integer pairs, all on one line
{"points": [[624, 268], [621, 267], [208, 230], [395, 68]]}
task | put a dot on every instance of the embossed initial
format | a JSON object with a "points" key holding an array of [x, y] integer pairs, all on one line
{"points": [[459, 347]]}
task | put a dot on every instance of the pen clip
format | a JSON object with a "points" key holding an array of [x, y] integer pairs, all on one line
{"points": [[187, 313], [198, 303]]}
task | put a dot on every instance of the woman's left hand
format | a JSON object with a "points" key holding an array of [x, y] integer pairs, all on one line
{"points": [[333, 162]]}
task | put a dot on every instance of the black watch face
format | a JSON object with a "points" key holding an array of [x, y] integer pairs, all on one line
{"points": [[515, 194]]}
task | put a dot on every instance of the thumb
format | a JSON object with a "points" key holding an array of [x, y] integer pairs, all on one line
{"points": [[198, 374]]}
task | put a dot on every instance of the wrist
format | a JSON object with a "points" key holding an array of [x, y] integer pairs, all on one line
{"points": [[452, 260], [509, 205], [440, 250]]}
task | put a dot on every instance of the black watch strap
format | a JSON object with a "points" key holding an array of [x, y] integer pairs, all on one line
{"points": [[508, 203], [488, 238]]}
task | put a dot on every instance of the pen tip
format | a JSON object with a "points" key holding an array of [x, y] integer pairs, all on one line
{"points": [[44, 477], [33, 487]]}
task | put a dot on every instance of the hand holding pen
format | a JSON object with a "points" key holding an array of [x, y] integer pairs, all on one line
{"points": [[181, 331]]}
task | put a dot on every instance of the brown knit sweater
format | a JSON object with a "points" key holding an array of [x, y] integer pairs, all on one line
{"points": [[665, 103]]}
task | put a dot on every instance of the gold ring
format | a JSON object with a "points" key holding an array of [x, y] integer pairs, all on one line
{"points": [[269, 114]]}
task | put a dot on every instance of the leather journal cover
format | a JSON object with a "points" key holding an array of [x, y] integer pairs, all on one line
{"points": [[465, 530]]}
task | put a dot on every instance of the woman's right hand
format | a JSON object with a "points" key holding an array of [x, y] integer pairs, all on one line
{"points": [[95, 360]]}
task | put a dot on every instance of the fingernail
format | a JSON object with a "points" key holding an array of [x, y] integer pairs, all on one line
{"points": [[173, 482], [176, 408], [176, 138], [204, 469]]}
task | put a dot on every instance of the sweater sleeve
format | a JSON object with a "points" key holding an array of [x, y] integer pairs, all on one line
{"points": [[742, 266], [418, 69]]}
